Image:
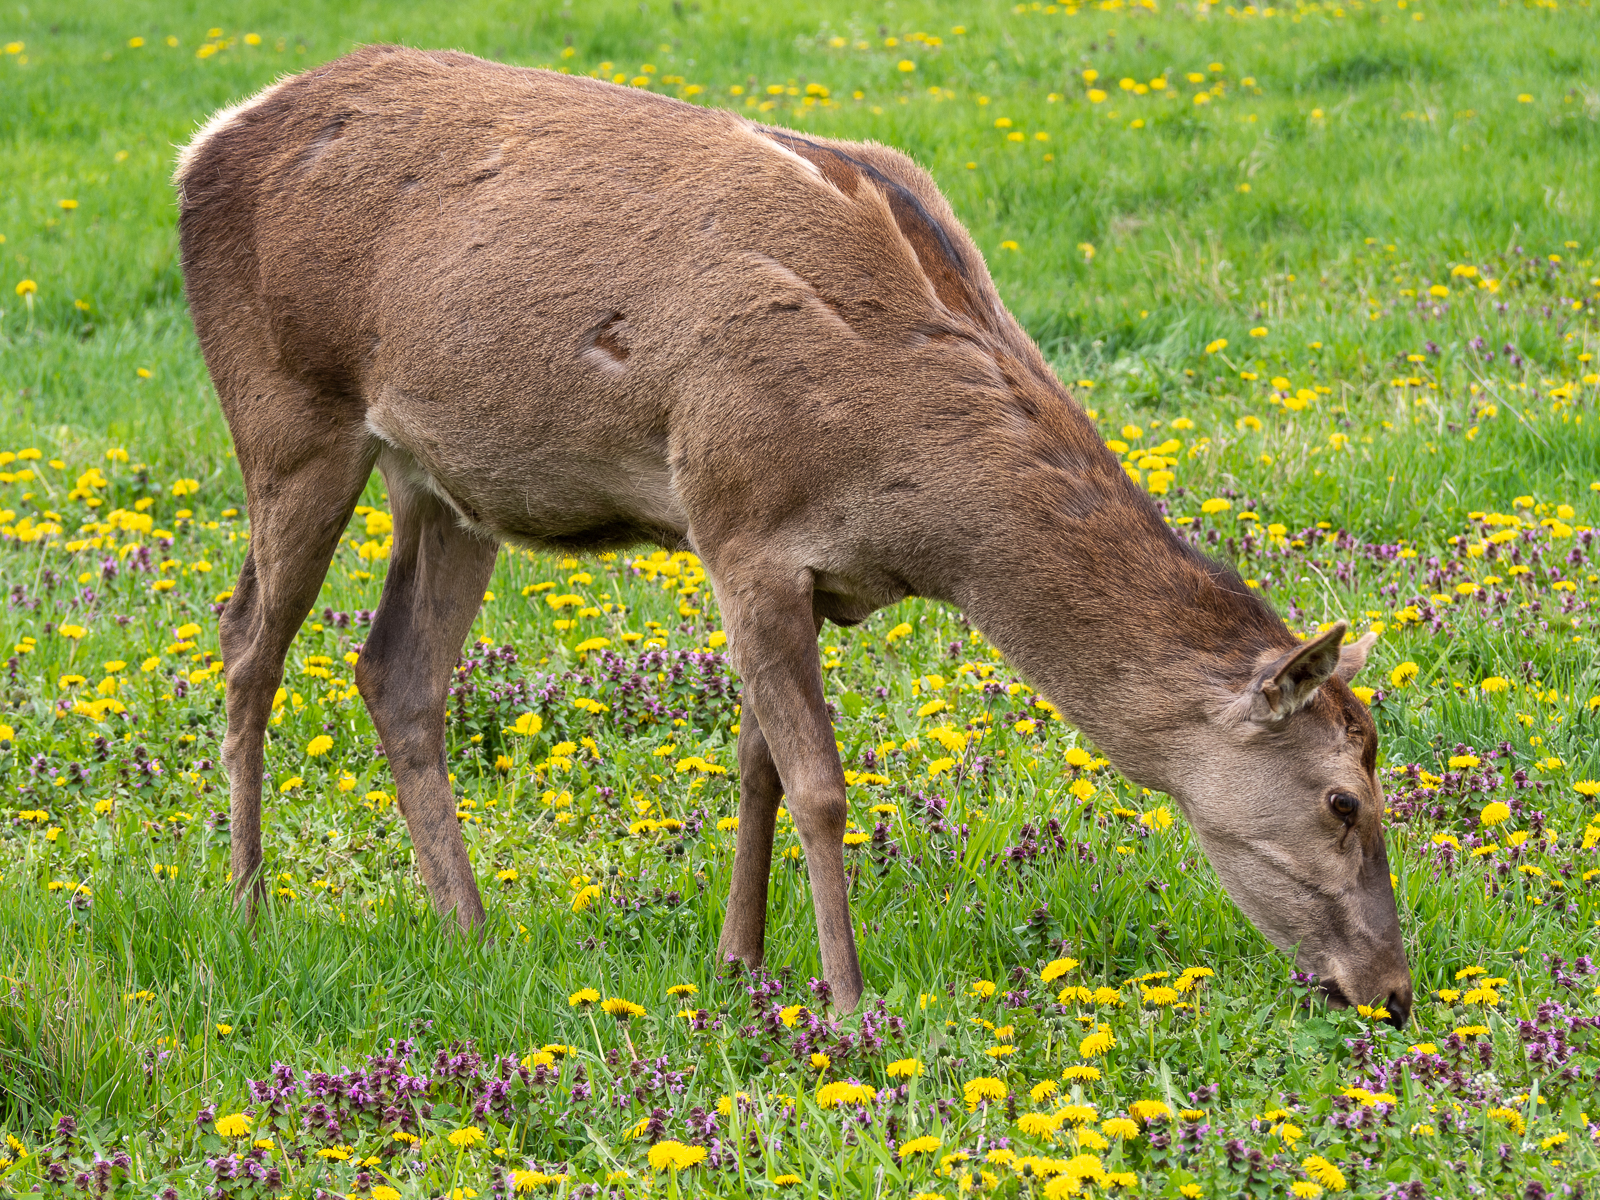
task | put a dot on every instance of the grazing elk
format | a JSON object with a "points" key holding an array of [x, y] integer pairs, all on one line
{"points": [[578, 316]]}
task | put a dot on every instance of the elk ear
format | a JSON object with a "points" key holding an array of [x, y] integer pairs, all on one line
{"points": [[1354, 656], [1287, 685]]}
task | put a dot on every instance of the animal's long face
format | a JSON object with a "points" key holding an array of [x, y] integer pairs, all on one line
{"points": [[1288, 807]]}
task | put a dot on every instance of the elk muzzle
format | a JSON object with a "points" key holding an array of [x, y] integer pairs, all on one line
{"points": [[1363, 958]]}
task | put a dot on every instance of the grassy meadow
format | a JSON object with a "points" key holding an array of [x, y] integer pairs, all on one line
{"points": [[1326, 277]]}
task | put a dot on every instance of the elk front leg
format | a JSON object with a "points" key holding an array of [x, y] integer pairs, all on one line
{"points": [[773, 635], [744, 928], [437, 573]]}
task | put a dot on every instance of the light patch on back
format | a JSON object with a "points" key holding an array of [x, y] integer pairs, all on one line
{"points": [[773, 146], [218, 120]]}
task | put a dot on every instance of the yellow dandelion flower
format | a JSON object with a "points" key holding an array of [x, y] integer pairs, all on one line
{"points": [[1056, 968], [1324, 1172], [1089, 1139], [1096, 1043], [1507, 1116], [527, 724], [1149, 1110], [1403, 674], [984, 1090], [675, 1156], [1042, 1126], [845, 1091]]}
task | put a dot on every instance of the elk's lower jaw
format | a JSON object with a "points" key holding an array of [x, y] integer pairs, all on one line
{"points": [[1335, 997]]}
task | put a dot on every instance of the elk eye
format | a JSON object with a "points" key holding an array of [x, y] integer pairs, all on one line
{"points": [[1345, 806]]}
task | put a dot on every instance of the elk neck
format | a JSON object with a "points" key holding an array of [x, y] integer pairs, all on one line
{"points": [[1121, 624]]}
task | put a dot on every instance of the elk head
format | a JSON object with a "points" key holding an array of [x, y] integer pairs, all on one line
{"points": [[1289, 809]]}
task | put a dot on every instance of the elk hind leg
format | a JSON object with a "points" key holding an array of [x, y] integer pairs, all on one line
{"points": [[437, 574], [301, 484]]}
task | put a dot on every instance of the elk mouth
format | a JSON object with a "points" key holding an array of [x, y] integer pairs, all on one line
{"points": [[1398, 1007]]}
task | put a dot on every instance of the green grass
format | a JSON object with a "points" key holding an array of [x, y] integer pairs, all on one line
{"points": [[1381, 153]]}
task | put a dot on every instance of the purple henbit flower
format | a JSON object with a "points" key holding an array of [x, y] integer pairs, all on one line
{"points": [[772, 1020], [1361, 1052], [702, 1125], [761, 987], [656, 1127], [822, 990], [871, 1041]]}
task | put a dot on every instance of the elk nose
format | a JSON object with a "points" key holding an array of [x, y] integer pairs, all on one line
{"points": [[1399, 1007]]}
